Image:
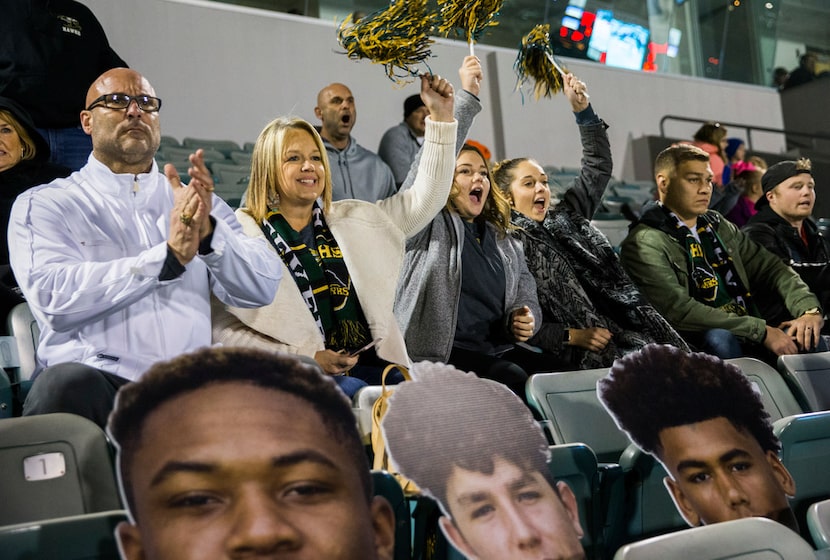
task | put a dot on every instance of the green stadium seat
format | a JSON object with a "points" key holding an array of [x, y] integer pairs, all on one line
{"points": [[387, 486], [818, 521], [808, 375], [776, 396], [81, 537], [749, 538], [54, 465], [805, 451], [224, 146], [567, 402]]}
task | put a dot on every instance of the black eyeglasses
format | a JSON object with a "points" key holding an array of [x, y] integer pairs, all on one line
{"points": [[146, 103]]}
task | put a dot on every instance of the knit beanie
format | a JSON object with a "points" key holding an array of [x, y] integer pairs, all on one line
{"points": [[732, 145]]}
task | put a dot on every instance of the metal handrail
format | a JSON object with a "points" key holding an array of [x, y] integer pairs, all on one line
{"points": [[813, 136]]}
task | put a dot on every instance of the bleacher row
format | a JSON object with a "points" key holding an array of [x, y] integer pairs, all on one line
{"points": [[230, 165], [59, 488]]}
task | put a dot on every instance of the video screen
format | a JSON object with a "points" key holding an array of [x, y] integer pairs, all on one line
{"points": [[617, 43]]}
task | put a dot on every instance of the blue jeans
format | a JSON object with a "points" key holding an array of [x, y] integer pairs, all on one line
{"points": [[70, 146], [349, 385], [721, 343]]}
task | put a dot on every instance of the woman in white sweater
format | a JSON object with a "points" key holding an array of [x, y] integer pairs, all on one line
{"points": [[343, 257]]}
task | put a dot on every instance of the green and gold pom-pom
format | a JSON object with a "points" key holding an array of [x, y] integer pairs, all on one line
{"points": [[536, 62], [397, 37], [471, 17]]}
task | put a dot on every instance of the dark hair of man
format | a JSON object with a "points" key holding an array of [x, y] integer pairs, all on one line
{"points": [[165, 381], [672, 157], [662, 387], [452, 419]]}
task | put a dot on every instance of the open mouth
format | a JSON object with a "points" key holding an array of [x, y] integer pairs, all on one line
{"points": [[346, 119], [476, 194], [539, 204]]}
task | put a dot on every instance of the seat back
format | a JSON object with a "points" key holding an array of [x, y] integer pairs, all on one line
{"points": [[569, 403], [614, 228], [818, 522], [224, 146], [808, 375], [805, 451], [776, 396], [6, 396], [176, 154], [362, 404], [650, 510], [54, 465], [387, 486], [576, 465], [81, 537], [23, 327], [749, 538]]}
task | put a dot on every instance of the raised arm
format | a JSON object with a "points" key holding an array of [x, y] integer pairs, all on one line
{"points": [[467, 106], [414, 208], [586, 193]]}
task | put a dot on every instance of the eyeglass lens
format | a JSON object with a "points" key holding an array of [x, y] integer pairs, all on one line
{"points": [[121, 101]]}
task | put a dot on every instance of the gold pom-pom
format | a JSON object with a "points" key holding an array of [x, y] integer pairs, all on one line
{"points": [[397, 37], [536, 62], [468, 17]]}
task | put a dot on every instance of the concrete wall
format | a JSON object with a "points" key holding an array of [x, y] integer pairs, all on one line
{"points": [[225, 71]]}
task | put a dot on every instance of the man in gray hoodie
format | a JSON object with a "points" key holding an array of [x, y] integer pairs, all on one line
{"points": [[355, 171]]}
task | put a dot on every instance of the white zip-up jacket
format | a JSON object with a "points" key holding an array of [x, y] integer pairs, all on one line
{"points": [[88, 250]]}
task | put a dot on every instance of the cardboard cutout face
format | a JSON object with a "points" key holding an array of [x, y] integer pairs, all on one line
{"points": [[720, 473], [705, 422], [487, 466], [233, 470]]}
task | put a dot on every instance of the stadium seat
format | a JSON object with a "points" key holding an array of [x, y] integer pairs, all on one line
{"points": [[54, 465], [233, 178], [751, 537], [362, 404], [614, 227], [387, 486], [168, 141], [808, 375], [776, 396], [568, 403], [6, 396], [80, 537], [241, 158], [818, 521], [224, 146], [805, 451], [650, 510], [22, 325], [576, 465], [176, 154]]}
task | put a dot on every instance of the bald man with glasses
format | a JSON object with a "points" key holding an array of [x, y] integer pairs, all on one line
{"points": [[118, 261]]}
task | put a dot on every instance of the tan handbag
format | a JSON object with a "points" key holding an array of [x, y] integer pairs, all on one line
{"points": [[381, 458]]}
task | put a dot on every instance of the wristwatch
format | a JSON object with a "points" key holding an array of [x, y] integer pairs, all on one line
{"points": [[813, 311]]}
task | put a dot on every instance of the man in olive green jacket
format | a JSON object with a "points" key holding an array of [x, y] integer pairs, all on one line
{"points": [[702, 274]]}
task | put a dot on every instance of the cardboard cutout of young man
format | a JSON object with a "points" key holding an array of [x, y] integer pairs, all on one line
{"points": [[481, 455], [240, 453], [701, 418]]}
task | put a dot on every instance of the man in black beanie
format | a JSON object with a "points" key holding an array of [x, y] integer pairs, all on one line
{"points": [[783, 225], [401, 143]]}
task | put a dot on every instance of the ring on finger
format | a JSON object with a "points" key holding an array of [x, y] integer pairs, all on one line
{"points": [[186, 219]]}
